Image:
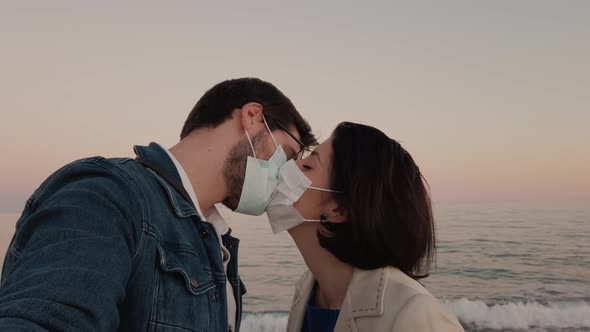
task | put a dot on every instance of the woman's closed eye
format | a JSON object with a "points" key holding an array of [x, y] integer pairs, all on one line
{"points": [[306, 167]]}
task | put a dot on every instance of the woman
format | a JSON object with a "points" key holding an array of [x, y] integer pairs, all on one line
{"points": [[375, 236]]}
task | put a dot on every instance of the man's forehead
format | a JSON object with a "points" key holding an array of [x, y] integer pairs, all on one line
{"points": [[294, 131]]}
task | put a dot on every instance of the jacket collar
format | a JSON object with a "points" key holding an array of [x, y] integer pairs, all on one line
{"points": [[364, 298], [303, 289], [158, 156], [366, 291]]}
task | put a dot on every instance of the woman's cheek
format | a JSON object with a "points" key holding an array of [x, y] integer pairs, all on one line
{"points": [[311, 207]]}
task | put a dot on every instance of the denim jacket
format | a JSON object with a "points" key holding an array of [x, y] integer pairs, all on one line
{"points": [[108, 244]]}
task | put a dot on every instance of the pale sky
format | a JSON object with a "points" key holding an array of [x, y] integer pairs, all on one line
{"points": [[492, 98]]}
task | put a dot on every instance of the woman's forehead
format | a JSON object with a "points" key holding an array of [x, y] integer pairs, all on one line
{"points": [[325, 148]]}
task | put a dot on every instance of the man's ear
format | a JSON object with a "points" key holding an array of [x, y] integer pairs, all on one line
{"points": [[251, 115]]}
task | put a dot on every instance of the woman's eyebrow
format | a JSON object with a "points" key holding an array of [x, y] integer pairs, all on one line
{"points": [[317, 155]]}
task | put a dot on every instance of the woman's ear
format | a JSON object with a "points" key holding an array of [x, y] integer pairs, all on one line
{"points": [[337, 214], [251, 116]]}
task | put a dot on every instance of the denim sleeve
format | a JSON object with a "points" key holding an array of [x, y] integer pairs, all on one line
{"points": [[72, 253]]}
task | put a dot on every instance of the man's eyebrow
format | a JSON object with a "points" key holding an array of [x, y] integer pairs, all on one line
{"points": [[285, 129]]}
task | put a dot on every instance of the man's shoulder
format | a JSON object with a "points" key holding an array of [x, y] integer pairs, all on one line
{"points": [[125, 169], [110, 166], [97, 174]]}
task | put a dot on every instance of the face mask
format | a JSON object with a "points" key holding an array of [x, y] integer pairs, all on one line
{"points": [[260, 180], [281, 213]]}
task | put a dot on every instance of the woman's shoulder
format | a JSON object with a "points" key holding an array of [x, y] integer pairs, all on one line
{"points": [[423, 312], [400, 283], [386, 283], [405, 305]]}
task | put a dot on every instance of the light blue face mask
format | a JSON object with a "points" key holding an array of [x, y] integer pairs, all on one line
{"points": [[261, 179]]}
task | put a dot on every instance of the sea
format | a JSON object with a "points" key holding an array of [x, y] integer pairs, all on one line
{"points": [[501, 266]]}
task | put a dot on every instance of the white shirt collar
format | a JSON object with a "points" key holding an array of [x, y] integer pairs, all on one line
{"points": [[212, 215]]}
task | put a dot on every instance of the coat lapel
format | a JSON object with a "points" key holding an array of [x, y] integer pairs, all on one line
{"points": [[345, 322], [364, 298], [303, 290]]}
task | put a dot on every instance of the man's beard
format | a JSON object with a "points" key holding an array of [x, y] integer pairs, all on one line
{"points": [[234, 169]]}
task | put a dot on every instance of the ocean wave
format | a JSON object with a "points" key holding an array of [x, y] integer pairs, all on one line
{"points": [[521, 315], [474, 315], [264, 322]]}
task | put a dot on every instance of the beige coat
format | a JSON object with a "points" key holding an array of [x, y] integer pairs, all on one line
{"points": [[379, 300]]}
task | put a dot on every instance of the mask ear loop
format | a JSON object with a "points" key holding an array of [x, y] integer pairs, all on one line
{"points": [[323, 219], [270, 132], [325, 190], [250, 141]]}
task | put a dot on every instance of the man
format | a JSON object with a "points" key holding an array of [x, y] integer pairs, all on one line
{"points": [[137, 244]]}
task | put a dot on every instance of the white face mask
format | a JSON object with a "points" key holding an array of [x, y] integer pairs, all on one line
{"points": [[281, 213], [260, 180]]}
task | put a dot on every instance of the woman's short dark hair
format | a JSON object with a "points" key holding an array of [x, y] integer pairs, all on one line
{"points": [[218, 103], [388, 210]]}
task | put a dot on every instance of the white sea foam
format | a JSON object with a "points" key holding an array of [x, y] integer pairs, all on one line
{"points": [[264, 322], [474, 314], [519, 315]]}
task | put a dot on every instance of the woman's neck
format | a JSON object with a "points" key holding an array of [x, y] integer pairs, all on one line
{"points": [[332, 275]]}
